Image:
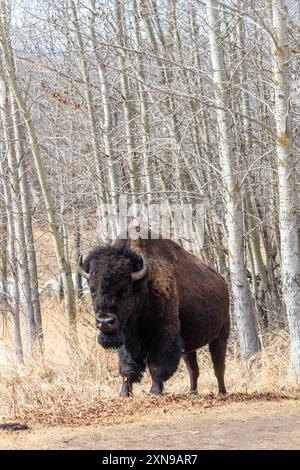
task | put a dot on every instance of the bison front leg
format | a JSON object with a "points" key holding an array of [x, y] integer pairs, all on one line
{"points": [[163, 360], [126, 390], [130, 370], [157, 384]]}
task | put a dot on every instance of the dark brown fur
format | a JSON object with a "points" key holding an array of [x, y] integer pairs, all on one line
{"points": [[179, 307]]}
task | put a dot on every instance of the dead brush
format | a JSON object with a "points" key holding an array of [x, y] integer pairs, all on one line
{"points": [[61, 386]]}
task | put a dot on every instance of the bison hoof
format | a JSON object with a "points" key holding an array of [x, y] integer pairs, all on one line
{"points": [[126, 390], [193, 392], [156, 389], [155, 392], [125, 393]]}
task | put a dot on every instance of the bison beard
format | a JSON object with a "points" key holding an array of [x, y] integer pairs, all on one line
{"points": [[166, 304], [111, 341]]}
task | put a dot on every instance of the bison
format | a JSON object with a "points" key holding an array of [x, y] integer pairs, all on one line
{"points": [[155, 302]]}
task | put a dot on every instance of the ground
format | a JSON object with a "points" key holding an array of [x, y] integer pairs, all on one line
{"points": [[250, 424]]}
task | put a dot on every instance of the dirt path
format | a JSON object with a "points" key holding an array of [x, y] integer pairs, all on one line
{"points": [[251, 425]]}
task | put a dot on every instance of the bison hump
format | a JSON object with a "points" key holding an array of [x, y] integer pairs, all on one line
{"points": [[162, 278]]}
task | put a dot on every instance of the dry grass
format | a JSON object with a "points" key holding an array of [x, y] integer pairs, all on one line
{"points": [[83, 389]]}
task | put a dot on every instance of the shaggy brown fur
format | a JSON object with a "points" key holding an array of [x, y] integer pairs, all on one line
{"points": [[180, 306], [202, 293]]}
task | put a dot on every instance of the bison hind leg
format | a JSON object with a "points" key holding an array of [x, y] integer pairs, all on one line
{"points": [[217, 350], [190, 359], [130, 370]]}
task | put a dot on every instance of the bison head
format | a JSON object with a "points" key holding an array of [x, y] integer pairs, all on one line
{"points": [[113, 277]]}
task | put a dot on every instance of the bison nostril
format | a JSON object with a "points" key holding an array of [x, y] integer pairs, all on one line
{"points": [[106, 323]]}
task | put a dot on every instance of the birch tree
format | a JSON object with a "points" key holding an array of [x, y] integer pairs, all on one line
{"points": [[21, 258], [28, 229], [35, 148], [12, 300], [242, 301], [289, 241], [127, 102]]}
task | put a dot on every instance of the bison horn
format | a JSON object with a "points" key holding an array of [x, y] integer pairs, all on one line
{"points": [[80, 269], [137, 275]]}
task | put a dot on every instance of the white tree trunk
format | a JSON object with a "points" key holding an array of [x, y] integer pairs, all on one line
{"points": [[27, 213], [128, 117], [242, 301], [106, 125], [78, 248], [28, 230], [3, 252], [89, 101], [13, 300], [64, 266], [290, 255], [22, 261], [144, 100]]}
